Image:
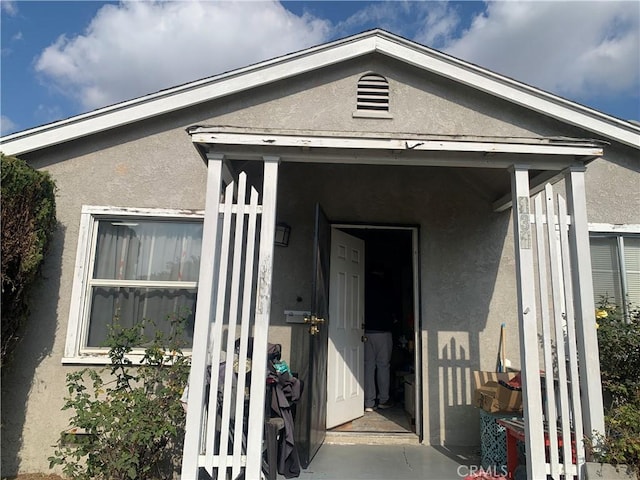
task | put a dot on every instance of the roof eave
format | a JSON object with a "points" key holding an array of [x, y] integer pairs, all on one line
{"points": [[310, 59]]}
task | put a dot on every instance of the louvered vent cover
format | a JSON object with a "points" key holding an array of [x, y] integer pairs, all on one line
{"points": [[373, 93]]}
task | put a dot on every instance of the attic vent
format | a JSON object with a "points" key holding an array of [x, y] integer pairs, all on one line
{"points": [[373, 93]]}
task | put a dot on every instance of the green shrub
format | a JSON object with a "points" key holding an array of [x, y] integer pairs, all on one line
{"points": [[28, 223], [129, 417], [621, 443], [619, 345]]}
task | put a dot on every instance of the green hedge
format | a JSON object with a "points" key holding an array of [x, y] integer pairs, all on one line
{"points": [[28, 223]]}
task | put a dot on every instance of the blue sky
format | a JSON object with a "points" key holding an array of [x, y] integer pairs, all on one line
{"points": [[60, 59]]}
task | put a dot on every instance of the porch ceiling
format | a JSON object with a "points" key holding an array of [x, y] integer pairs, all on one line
{"points": [[480, 162]]}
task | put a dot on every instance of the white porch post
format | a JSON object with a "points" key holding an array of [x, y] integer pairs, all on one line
{"points": [[527, 320], [584, 305], [261, 326], [204, 307]]}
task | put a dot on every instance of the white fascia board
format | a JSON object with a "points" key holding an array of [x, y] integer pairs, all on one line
{"points": [[184, 96], [393, 144], [513, 91]]}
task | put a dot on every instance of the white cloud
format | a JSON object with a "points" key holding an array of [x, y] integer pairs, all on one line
{"points": [[430, 23], [7, 125], [47, 113], [389, 16], [9, 7], [135, 48], [439, 25], [575, 49]]}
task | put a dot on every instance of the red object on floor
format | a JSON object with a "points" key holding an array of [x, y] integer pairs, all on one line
{"points": [[515, 433]]}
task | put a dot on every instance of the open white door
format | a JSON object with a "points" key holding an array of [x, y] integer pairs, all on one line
{"points": [[345, 362]]}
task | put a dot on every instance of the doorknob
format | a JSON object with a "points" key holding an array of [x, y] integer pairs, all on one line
{"points": [[314, 322]]}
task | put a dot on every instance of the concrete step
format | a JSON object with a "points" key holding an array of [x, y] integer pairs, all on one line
{"points": [[371, 438]]}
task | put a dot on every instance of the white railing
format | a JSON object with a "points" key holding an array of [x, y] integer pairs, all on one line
{"points": [[562, 404], [225, 415]]}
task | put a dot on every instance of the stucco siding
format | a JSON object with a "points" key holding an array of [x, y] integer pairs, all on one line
{"points": [[613, 188], [419, 103], [162, 171]]}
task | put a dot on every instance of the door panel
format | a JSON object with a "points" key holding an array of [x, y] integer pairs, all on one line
{"points": [[345, 363], [315, 406]]}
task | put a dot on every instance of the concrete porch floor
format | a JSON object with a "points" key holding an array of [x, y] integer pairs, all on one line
{"points": [[386, 462], [382, 445]]}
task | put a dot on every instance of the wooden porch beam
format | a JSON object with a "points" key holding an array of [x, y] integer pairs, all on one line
{"points": [[524, 146], [584, 305], [527, 322], [556, 163], [204, 307], [261, 326]]}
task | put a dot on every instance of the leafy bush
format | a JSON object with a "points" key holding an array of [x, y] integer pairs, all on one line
{"points": [[619, 345], [127, 422], [28, 223]]}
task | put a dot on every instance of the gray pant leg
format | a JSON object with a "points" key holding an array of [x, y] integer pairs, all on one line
{"points": [[383, 365], [377, 360], [369, 374]]}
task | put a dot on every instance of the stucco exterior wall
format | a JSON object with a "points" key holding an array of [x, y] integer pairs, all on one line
{"points": [[613, 187], [466, 254]]}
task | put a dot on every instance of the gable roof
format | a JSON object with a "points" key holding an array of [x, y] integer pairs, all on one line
{"points": [[280, 68]]}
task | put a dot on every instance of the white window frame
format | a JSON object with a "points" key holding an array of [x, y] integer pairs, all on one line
{"points": [[75, 351], [619, 231]]}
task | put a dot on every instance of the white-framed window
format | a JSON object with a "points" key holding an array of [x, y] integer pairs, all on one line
{"points": [[615, 263], [132, 264]]}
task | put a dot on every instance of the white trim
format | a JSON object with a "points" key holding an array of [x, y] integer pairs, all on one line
{"points": [[142, 284], [109, 210], [218, 136], [316, 58], [100, 357], [385, 115], [618, 228], [75, 352]]}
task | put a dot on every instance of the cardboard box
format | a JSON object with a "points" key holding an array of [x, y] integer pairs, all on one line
{"points": [[484, 395], [491, 396], [509, 400]]}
